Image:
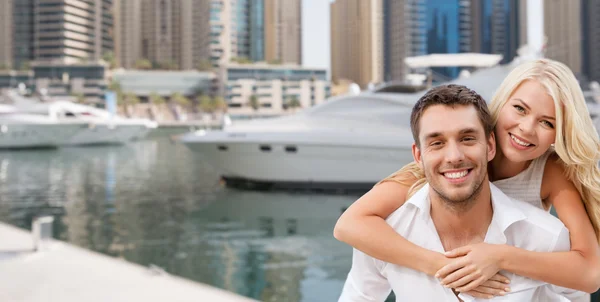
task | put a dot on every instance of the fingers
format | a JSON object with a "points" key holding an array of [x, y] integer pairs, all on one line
{"points": [[485, 292], [492, 284], [500, 278], [463, 277], [457, 252], [449, 268], [480, 295], [471, 285], [489, 287]]}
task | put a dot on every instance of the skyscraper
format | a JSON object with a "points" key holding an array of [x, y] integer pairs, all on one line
{"points": [[72, 31], [257, 30], [591, 39], [283, 30], [405, 35], [55, 31], [6, 34], [171, 34], [221, 32], [357, 41], [449, 30], [128, 32], [496, 27], [562, 27]]}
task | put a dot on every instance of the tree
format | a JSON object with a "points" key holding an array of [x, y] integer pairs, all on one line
{"points": [[79, 97], [131, 99], [25, 65], [294, 102], [109, 57], [143, 64], [204, 65], [180, 100], [220, 104], [168, 65], [156, 99], [115, 86], [205, 104], [253, 102], [121, 101], [274, 62], [241, 60], [4, 67]]}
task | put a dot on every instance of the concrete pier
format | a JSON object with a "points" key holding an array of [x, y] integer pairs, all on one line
{"points": [[63, 272]]}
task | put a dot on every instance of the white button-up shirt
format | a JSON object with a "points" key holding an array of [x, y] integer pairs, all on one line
{"points": [[513, 222]]}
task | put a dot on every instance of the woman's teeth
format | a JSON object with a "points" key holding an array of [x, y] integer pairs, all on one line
{"points": [[520, 142]]}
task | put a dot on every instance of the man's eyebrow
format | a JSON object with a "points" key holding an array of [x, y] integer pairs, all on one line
{"points": [[468, 131], [433, 135]]}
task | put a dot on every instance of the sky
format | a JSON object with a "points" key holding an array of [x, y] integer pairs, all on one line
{"points": [[315, 34]]}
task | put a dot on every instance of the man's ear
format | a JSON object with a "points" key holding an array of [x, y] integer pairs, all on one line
{"points": [[491, 143], [417, 155]]}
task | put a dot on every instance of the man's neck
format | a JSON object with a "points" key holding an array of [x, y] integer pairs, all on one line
{"points": [[458, 227]]}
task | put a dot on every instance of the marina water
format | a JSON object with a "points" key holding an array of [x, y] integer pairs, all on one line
{"points": [[158, 204]]}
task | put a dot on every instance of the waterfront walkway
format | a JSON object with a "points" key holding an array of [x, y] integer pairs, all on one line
{"points": [[63, 272]]}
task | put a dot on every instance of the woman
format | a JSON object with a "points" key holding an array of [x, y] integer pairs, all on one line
{"points": [[547, 154]]}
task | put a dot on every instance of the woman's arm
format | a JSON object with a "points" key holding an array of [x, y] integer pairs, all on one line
{"points": [[578, 269], [363, 226]]}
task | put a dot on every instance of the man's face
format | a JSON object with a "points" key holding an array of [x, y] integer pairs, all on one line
{"points": [[454, 152]]}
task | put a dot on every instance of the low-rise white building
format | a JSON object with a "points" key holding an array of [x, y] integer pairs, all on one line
{"points": [[277, 88]]}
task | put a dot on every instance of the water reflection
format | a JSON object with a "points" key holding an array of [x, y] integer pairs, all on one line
{"points": [[158, 204]]}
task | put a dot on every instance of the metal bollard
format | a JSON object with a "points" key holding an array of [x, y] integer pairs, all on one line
{"points": [[41, 230]]}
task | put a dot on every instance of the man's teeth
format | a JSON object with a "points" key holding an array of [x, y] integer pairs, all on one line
{"points": [[520, 142], [456, 174]]}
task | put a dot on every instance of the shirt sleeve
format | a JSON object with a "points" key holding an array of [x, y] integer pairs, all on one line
{"points": [[563, 244], [365, 282]]}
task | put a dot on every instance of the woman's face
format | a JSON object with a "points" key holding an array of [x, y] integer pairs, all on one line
{"points": [[526, 125]]}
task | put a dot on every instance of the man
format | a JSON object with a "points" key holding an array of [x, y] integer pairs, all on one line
{"points": [[454, 141]]}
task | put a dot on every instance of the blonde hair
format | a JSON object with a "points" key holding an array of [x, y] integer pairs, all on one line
{"points": [[576, 142]]}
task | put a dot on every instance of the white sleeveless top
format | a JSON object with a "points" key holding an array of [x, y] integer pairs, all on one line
{"points": [[526, 186]]}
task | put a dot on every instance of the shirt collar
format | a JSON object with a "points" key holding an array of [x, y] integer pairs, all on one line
{"points": [[506, 212]]}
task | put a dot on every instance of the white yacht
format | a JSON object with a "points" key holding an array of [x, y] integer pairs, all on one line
{"points": [[104, 128], [21, 130], [348, 142]]}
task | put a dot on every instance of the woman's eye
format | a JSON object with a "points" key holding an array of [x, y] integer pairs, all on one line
{"points": [[548, 124], [519, 108]]}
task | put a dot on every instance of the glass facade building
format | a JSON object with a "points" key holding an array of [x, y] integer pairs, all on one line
{"points": [[257, 29]]}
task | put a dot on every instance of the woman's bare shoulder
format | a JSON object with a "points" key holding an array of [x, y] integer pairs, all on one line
{"points": [[554, 175]]}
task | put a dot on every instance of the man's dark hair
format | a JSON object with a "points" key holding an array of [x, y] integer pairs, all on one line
{"points": [[450, 95]]}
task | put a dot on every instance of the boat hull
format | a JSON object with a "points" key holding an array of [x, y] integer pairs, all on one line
{"points": [[302, 165], [20, 136], [98, 134]]}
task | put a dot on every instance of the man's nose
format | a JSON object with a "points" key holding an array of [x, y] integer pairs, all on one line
{"points": [[454, 153]]}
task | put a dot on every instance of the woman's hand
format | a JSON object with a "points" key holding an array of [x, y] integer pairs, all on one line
{"points": [[472, 266], [496, 286]]}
